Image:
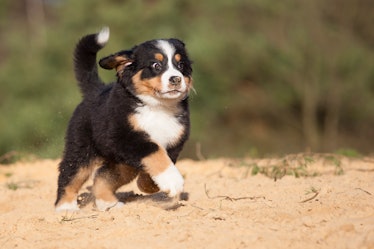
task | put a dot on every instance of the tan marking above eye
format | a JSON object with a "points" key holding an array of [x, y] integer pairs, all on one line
{"points": [[159, 57], [177, 57]]}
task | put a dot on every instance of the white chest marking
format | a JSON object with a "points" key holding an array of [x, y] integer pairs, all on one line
{"points": [[160, 124]]}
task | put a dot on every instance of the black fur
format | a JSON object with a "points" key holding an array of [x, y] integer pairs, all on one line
{"points": [[99, 127]]}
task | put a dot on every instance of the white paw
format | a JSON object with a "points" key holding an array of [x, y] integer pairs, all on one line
{"points": [[103, 36], [68, 206], [102, 205], [170, 181]]}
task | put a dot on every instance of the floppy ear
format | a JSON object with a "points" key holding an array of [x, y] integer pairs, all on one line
{"points": [[118, 60]]}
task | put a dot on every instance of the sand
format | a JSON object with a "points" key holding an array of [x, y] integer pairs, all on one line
{"points": [[330, 205]]}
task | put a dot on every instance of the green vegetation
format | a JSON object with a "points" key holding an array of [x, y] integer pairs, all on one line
{"points": [[271, 76], [297, 165], [12, 186], [22, 184]]}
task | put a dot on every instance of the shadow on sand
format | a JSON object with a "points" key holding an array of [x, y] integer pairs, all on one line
{"points": [[159, 199]]}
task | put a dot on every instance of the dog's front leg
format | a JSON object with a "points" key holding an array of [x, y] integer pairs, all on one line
{"points": [[163, 172]]}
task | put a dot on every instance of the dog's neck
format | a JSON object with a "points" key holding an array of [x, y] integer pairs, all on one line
{"points": [[169, 105]]}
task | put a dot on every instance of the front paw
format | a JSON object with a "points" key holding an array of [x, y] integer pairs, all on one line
{"points": [[170, 181]]}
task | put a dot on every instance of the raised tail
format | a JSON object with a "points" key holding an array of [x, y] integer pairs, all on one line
{"points": [[85, 65]]}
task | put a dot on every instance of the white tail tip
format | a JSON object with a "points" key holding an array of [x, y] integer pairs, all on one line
{"points": [[103, 36]]}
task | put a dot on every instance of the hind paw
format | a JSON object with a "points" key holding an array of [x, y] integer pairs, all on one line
{"points": [[68, 206], [102, 205]]}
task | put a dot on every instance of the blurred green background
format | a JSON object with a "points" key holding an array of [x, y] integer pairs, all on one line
{"points": [[271, 77]]}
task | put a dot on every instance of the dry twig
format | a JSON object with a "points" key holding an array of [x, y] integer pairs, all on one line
{"points": [[226, 197], [365, 191], [311, 198]]}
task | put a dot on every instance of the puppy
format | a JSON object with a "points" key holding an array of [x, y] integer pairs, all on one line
{"points": [[136, 126]]}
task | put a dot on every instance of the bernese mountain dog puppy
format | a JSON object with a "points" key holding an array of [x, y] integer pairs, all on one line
{"points": [[135, 126]]}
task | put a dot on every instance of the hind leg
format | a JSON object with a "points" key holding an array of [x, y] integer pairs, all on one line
{"points": [[108, 179], [72, 176], [77, 163], [146, 184]]}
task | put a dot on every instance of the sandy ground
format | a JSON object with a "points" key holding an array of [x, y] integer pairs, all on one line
{"points": [[225, 206]]}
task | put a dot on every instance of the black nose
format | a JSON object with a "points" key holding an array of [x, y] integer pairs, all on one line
{"points": [[175, 80]]}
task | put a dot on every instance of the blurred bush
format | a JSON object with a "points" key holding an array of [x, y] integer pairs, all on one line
{"points": [[271, 76]]}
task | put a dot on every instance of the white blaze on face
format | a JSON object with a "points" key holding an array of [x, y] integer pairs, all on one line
{"points": [[169, 50]]}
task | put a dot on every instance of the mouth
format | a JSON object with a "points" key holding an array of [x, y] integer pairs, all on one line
{"points": [[172, 94]]}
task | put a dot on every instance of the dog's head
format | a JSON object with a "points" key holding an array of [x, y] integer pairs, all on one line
{"points": [[153, 71]]}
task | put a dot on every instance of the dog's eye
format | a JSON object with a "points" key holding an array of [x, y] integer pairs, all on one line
{"points": [[157, 66], [180, 65]]}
